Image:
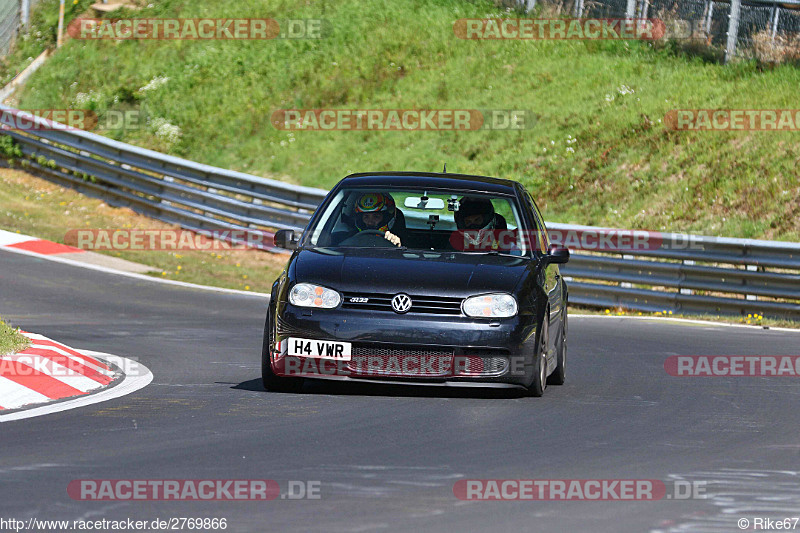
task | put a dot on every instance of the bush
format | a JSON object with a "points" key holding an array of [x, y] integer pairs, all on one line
{"points": [[770, 52], [9, 148]]}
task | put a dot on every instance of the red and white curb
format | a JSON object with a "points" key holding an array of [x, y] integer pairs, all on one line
{"points": [[61, 253], [16, 241], [50, 377]]}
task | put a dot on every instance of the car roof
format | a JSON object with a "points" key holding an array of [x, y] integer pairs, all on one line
{"points": [[431, 179]]}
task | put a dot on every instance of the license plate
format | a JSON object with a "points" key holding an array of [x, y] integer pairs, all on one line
{"points": [[339, 351]]}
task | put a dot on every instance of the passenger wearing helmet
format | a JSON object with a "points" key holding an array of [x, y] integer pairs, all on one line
{"points": [[377, 212], [480, 227], [475, 214]]}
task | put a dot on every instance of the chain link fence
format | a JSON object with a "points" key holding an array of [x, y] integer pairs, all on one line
{"points": [[9, 23], [728, 25]]}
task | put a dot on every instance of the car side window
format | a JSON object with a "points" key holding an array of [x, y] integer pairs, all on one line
{"points": [[329, 219], [541, 233]]}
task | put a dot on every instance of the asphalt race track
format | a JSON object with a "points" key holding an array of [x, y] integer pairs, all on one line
{"points": [[387, 457]]}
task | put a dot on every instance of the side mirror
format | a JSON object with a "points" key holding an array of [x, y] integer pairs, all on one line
{"points": [[557, 254], [286, 239]]}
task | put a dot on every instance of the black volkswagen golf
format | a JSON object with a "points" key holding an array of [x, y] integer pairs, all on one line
{"points": [[437, 279]]}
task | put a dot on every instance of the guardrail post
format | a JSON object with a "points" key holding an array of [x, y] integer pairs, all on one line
{"points": [[578, 8], [25, 13], [733, 29], [751, 268], [630, 9], [687, 262], [625, 284]]}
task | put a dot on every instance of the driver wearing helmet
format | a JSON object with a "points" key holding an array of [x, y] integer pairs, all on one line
{"points": [[377, 212]]}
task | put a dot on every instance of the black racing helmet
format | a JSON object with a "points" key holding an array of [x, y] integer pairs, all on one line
{"points": [[468, 206]]}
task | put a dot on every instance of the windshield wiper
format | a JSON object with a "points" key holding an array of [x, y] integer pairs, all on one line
{"points": [[358, 247], [487, 252]]}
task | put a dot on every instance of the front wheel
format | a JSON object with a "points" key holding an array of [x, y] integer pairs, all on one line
{"points": [[536, 388], [271, 381]]}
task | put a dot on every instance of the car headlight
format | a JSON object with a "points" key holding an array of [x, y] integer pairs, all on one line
{"points": [[308, 295], [498, 305]]}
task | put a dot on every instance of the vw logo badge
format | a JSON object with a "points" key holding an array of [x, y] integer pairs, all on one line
{"points": [[401, 303]]}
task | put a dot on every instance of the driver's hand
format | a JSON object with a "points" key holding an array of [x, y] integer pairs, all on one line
{"points": [[392, 238]]}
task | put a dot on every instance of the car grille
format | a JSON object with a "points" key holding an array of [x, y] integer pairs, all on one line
{"points": [[400, 361], [434, 305], [475, 366], [365, 349]]}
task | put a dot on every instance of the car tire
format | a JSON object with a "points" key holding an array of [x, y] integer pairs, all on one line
{"points": [[272, 382], [559, 374], [536, 388]]}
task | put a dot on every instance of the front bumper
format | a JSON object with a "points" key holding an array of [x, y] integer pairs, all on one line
{"points": [[422, 348]]}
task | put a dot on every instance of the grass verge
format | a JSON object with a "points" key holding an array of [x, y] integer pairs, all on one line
{"points": [[597, 151], [11, 340], [749, 320]]}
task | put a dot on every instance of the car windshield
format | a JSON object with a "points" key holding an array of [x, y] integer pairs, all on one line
{"points": [[438, 220]]}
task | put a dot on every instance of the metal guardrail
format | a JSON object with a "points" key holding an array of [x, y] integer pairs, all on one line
{"points": [[679, 273], [687, 273], [195, 196]]}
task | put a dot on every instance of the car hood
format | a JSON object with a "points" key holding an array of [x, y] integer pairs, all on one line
{"points": [[415, 272]]}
